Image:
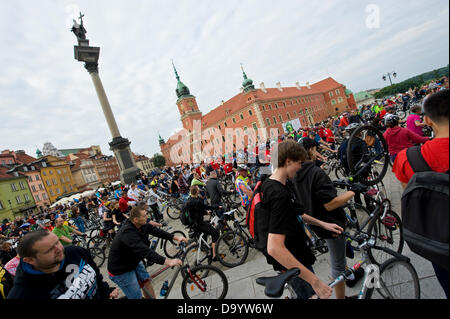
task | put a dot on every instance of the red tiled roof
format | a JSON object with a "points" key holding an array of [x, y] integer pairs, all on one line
{"points": [[237, 102], [25, 158], [5, 175]]}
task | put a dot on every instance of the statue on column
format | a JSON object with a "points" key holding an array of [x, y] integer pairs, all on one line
{"points": [[78, 29]]}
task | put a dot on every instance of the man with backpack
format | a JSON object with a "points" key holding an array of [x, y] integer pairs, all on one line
{"points": [[423, 173], [277, 230]]}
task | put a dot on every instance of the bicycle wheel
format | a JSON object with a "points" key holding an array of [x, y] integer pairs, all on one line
{"points": [[98, 255], [170, 246], [195, 256], [232, 249], [339, 172], [397, 280], [387, 233], [366, 159], [173, 211], [204, 282]]}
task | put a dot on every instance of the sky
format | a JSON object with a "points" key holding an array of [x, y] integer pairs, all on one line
{"points": [[48, 96]]}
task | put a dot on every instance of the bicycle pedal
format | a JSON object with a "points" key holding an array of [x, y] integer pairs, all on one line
{"points": [[390, 222]]}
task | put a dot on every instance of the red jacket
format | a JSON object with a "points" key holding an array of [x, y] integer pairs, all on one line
{"points": [[399, 138], [123, 203]]}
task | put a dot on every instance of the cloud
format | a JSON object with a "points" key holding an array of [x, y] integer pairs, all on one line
{"points": [[46, 95]]}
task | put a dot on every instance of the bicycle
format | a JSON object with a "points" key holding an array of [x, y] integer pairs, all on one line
{"points": [[168, 246], [232, 247], [379, 219], [373, 286], [201, 281]]}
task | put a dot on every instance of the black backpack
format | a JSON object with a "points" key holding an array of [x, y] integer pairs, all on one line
{"points": [[185, 216], [425, 210]]}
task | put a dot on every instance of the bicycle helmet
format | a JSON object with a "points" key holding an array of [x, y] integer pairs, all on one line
{"points": [[243, 167], [391, 120], [351, 127]]}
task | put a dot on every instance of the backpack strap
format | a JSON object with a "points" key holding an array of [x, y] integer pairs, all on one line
{"points": [[416, 160]]}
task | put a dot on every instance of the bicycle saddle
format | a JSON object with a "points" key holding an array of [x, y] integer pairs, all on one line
{"points": [[275, 284]]}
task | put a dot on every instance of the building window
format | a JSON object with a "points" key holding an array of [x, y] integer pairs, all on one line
{"points": [[57, 190], [51, 192], [62, 180], [27, 198], [44, 164], [220, 127], [1, 205], [18, 200], [14, 187], [288, 116], [254, 126], [41, 187], [330, 94], [44, 173], [295, 113], [48, 183], [274, 120], [270, 107], [44, 196], [263, 107], [37, 198], [241, 116], [340, 99], [268, 121], [58, 172], [36, 177], [300, 112], [225, 124], [33, 188], [250, 112], [276, 106], [337, 92], [281, 118], [25, 169], [234, 120], [54, 181], [64, 171], [333, 102]]}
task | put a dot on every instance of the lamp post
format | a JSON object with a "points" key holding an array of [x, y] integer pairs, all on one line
{"points": [[119, 145], [393, 73]]}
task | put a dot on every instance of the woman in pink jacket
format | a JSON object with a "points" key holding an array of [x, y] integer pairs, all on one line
{"points": [[399, 138]]}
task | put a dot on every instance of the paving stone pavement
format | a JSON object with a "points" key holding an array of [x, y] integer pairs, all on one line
{"points": [[242, 279]]}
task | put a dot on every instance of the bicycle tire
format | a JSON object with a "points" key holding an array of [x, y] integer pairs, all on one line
{"points": [[214, 279], [173, 211], [233, 244], [169, 245], [339, 172], [384, 155], [397, 270], [98, 255], [383, 234], [191, 255]]}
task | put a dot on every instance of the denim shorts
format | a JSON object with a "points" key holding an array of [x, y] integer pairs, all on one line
{"points": [[130, 282]]}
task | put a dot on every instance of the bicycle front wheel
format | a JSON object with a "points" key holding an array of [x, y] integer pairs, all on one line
{"points": [[232, 249], [388, 232], [170, 246], [397, 280], [173, 211], [195, 256], [204, 282], [98, 255]]}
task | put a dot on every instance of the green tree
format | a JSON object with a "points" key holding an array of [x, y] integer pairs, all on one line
{"points": [[158, 160]]}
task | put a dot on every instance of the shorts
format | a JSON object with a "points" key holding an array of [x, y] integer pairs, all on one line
{"points": [[338, 257], [132, 282]]}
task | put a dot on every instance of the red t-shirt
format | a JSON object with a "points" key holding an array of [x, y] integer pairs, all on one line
{"points": [[382, 113], [343, 122], [330, 136], [435, 153]]}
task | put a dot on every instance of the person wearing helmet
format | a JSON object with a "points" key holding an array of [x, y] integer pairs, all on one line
{"points": [[242, 185], [399, 138]]}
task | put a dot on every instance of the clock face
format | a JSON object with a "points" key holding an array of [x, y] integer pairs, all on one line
{"points": [[191, 104]]}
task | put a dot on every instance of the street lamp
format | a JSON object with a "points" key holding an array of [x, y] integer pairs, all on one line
{"points": [[393, 73]]}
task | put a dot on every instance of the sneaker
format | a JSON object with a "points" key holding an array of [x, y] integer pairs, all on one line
{"points": [[358, 275]]}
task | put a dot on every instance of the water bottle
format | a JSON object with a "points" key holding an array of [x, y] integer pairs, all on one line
{"points": [[164, 288], [153, 246]]}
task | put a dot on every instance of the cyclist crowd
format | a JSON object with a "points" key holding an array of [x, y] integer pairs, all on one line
{"points": [[42, 243]]}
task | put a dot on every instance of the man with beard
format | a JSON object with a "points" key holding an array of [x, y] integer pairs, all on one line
{"points": [[47, 270]]}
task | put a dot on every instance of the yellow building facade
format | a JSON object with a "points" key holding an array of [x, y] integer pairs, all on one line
{"points": [[57, 177]]}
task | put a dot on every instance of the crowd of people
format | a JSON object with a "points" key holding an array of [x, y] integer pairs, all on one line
{"points": [[45, 239]]}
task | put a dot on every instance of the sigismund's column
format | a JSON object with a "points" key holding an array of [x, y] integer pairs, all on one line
{"points": [[119, 145]]}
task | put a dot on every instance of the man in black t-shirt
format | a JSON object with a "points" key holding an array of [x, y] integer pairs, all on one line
{"points": [[287, 241]]}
